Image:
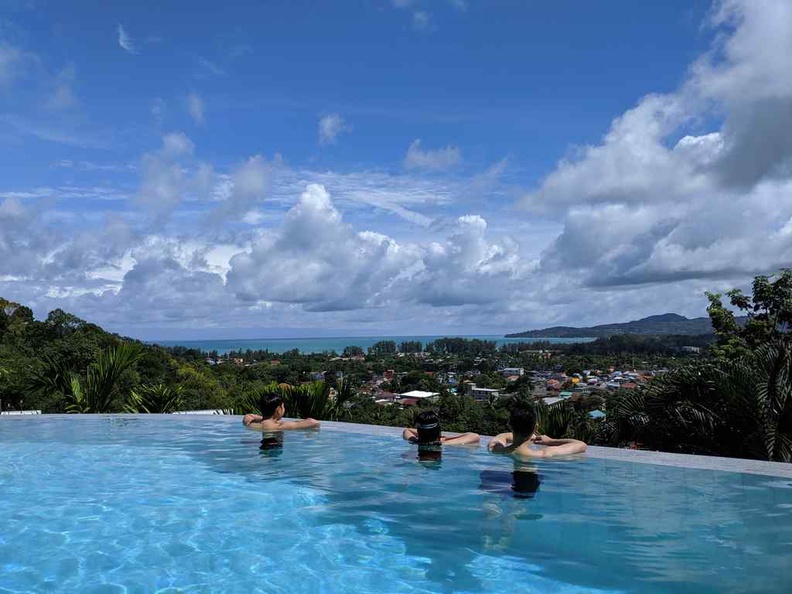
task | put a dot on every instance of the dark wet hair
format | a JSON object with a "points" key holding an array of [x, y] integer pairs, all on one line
{"points": [[428, 425], [269, 404], [523, 419]]}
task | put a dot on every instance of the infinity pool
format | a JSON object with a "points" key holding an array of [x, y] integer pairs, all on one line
{"points": [[164, 504]]}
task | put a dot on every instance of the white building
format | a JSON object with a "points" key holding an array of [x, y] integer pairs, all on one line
{"points": [[507, 371], [483, 393]]}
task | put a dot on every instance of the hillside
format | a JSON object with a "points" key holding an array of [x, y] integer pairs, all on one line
{"points": [[669, 323]]}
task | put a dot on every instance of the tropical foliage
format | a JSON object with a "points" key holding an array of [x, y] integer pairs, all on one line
{"points": [[158, 398]]}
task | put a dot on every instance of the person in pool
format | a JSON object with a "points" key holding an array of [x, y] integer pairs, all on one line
{"points": [[271, 418], [428, 435], [518, 443]]}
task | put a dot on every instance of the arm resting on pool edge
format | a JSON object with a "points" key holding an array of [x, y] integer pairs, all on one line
{"points": [[500, 442], [410, 435], [250, 418], [301, 424], [462, 439], [559, 447]]}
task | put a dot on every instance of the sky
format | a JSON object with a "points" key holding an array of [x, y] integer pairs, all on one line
{"points": [[299, 168]]}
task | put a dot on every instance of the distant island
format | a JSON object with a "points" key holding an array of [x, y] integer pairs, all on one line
{"points": [[669, 323]]}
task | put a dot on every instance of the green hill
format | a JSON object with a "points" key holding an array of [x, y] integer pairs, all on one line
{"points": [[669, 323]]}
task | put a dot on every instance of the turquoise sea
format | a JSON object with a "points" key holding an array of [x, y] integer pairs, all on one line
{"points": [[322, 345]]}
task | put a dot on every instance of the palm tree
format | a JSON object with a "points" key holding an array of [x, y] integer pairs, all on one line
{"points": [[158, 398], [739, 408], [97, 391]]}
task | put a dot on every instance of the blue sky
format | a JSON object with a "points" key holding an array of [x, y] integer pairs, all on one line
{"points": [[196, 170]]}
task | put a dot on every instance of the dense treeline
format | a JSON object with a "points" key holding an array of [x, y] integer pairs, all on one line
{"points": [[728, 396]]}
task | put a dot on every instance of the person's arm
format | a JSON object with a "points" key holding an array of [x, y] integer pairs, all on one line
{"points": [[500, 442], [301, 424], [251, 418], [559, 447], [410, 435], [464, 439]]}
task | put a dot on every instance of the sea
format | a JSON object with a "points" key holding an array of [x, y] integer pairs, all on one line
{"points": [[326, 345]]}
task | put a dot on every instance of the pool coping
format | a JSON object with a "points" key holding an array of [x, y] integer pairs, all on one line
{"points": [[740, 465]]}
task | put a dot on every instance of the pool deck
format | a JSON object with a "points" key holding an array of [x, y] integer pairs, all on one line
{"points": [[776, 469]]}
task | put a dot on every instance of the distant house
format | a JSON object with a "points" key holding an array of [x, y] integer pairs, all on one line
{"points": [[629, 385], [507, 371], [483, 393], [552, 400], [597, 414]]}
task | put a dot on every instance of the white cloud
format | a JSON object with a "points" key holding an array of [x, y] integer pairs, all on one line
{"points": [[195, 107], [177, 144], [330, 126], [640, 207], [421, 21], [125, 42], [247, 187], [319, 261], [438, 160], [164, 178]]}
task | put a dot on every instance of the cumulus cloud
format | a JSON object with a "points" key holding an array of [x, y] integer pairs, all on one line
{"points": [[437, 160], [195, 107], [125, 41], [164, 178], [319, 261], [640, 207], [246, 187], [330, 126]]}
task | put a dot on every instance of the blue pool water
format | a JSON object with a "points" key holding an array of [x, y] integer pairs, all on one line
{"points": [[114, 504]]}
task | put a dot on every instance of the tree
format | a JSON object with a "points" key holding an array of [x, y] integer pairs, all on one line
{"points": [[768, 315], [411, 346], [353, 351], [383, 347]]}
